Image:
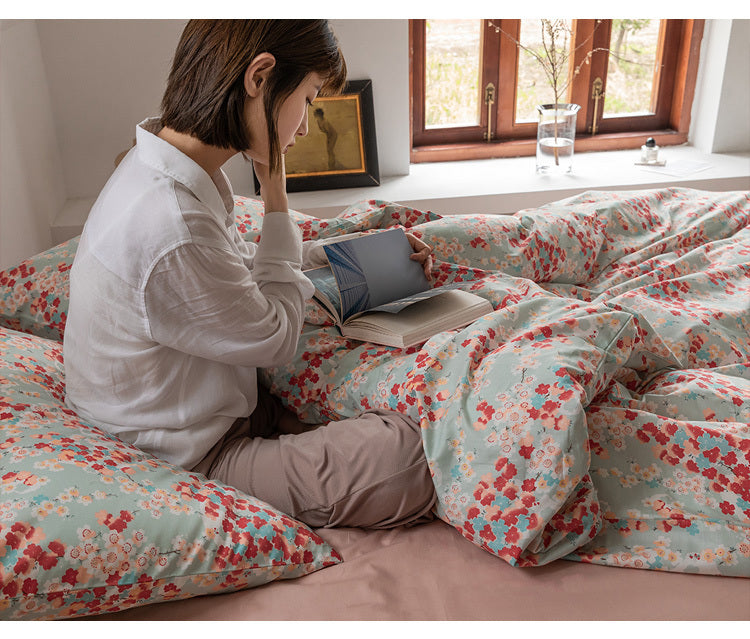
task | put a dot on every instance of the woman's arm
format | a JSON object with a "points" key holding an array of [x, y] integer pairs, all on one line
{"points": [[204, 301], [272, 187]]}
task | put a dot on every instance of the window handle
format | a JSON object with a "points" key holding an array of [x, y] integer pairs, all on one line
{"points": [[597, 94], [489, 100]]}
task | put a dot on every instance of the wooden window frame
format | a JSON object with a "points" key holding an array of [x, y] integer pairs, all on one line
{"points": [[680, 42]]}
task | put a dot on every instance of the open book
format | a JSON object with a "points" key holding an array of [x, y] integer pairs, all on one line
{"points": [[374, 292]]}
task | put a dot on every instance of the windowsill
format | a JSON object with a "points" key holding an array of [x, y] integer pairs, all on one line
{"points": [[584, 143], [498, 186], [506, 185]]}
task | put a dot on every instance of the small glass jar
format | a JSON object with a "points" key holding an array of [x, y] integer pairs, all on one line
{"points": [[650, 152]]}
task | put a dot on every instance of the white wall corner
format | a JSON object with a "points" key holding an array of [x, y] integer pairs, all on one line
{"points": [[732, 132], [720, 119], [31, 168]]}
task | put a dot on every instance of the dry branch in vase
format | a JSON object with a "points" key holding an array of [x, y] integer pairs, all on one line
{"points": [[554, 58]]}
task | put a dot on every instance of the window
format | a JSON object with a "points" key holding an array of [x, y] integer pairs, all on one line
{"points": [[475, 84]]}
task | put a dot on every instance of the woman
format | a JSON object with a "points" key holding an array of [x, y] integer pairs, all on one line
{"points": [[171, 312]]}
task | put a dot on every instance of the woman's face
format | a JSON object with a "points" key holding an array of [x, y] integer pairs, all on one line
{"points": [[292, 119]]}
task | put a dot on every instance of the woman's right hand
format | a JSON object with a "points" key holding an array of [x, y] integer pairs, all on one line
{"points": [[272, 186]]}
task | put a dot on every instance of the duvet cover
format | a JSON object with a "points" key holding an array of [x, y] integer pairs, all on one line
{"points": [[601, 412]]}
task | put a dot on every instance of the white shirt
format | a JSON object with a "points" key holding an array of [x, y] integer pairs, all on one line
{"points": [[171, 311]]}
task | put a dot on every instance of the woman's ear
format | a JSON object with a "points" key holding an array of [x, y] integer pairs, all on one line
{"points": [[257, 73]]}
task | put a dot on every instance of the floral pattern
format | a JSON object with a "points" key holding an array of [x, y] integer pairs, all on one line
{"points": [[34, 294], [602, 412], [89, 524]]}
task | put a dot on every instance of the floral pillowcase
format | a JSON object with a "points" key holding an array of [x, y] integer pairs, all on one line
{"points": [[90, 524], [34, 294]]}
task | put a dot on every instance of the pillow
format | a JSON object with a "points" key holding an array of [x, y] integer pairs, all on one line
{"points": [[90, 524], [361, 216], [34, 294]]}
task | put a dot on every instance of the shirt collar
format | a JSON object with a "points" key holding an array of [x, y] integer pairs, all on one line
{"points": [[214, 191]]}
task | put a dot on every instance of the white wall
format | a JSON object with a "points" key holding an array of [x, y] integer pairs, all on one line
{"points": [[32, 189], [733, 121], [721, 110], [104, 77]]}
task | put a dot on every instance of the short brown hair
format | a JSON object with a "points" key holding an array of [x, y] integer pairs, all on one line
{"points": [[205, 94]]}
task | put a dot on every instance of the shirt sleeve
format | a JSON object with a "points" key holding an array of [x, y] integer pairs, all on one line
{"points": [[312, 253], [205, 301]]}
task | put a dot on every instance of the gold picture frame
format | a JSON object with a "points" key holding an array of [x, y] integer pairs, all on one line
{"points": [[340, 148]]}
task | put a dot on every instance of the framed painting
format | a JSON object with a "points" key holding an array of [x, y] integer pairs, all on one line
{"points": [[340, 148]]}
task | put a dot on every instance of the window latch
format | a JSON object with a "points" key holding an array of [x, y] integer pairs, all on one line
{"points": [[489, 100], [596, 94]]}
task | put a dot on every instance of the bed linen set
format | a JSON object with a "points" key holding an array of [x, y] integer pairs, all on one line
{"points": [[600, 414]]}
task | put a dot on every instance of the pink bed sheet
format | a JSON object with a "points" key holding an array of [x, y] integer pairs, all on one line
{"points": [[430, 572]]}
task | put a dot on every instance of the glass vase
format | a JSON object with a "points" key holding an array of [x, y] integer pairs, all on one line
{"points": [[555, 137]]}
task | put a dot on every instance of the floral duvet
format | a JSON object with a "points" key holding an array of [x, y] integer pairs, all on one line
{"points": [[601, 413]]}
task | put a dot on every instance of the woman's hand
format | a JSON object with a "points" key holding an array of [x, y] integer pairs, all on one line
{"points": [[272, 187], [422, 254]]}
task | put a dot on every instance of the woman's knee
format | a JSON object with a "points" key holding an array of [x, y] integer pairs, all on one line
{"points": [[395, 439], [389, 481]]}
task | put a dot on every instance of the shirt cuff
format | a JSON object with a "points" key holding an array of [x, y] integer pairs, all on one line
{"points": [[280, 240], [313, 255]]}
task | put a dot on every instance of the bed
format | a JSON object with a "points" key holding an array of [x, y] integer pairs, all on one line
{"points": [[589, 440]]}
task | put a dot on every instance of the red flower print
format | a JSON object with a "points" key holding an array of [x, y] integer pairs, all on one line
{"points": [[526, 451], [264, 545], [712, 454], [30, 587], [487, 534], [252, 549], [542, 389], [70, 576], [512, 535], [23, 565], [510, 493]]}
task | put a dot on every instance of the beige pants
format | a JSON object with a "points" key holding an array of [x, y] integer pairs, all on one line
{"points": [[369, 471]]}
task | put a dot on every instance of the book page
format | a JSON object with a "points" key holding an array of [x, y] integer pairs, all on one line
{"points": [[374, 269], [325, 284], [398, 305]]}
